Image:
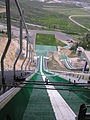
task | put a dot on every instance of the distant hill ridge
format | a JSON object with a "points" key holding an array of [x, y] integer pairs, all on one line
{"points": [[88, 1]]}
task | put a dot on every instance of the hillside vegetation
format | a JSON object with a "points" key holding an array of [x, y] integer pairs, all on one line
{"points": [[53, 16]]}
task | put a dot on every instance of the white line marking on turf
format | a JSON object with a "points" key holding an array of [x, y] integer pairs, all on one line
{"points": [[60, 107]]}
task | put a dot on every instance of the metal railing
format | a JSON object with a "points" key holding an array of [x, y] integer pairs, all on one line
{"points": [[31, 61], [27, 35], [22, 22], [8, 43], [29, 57], [20, 48], [26, 55]]}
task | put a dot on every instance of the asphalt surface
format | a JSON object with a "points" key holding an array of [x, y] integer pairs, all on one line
{"points": [[15, 32]]}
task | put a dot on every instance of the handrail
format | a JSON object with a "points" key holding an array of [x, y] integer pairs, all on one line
{"points": [[21, 14], [27, 34], [9, 39], [29, 57], [14, 67], [8, 43], [26, 55]]}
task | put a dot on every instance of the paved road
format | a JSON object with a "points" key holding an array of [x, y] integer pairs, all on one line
{"points": [[15, 31], [70, 18], [59, 35], [34, 25]]}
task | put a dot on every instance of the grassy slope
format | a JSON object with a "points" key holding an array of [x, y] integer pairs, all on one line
{"points": [[32, 10], [60, 20], [54, 16], [48, 39], [83, 20]]}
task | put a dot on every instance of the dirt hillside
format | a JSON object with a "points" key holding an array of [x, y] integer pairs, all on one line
{"points": [[11, 54]]}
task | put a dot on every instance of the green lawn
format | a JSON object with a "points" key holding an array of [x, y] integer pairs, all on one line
{"points": [[48, 39]]}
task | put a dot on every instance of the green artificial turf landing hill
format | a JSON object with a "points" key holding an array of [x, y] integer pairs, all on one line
{"points": [[48, 39]]}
